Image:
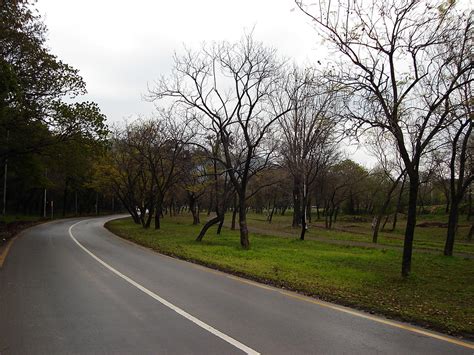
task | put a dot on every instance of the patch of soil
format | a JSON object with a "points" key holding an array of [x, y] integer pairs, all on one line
{"points": [[432, 224], [355, 219]]}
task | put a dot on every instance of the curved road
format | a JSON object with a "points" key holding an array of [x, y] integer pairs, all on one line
{"points": [[71, 286]]}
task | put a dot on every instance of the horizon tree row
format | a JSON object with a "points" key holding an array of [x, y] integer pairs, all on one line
{"points": [[244, 120], [48, 138]]}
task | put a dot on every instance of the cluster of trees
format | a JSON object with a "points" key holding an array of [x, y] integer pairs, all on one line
{"points": [[48, 140], [407, 69], [242, 128]]}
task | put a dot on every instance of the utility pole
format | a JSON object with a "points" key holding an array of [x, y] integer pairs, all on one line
{"points": [[4, 212], [45, 196]]}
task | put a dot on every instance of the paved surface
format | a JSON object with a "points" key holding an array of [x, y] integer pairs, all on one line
{"points": [[101, 294]]}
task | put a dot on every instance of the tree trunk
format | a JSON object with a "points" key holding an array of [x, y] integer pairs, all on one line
{"points": [[206, 226], [196, 219], [471, 232], [234, 213], [244, 232], [303, 216], [469, 199], [383, 209], [385, 222], [158, 212], [394, 223], [452, 228], [135, 216], [375, 233], [149, 217], [308, 210], [221, 223], [128, 206], [270, 217], [399, 204], [143, 217], [410, 228], [296, 202], [192, 207], [326, 215]]}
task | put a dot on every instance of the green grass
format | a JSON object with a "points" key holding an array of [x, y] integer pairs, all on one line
{"points": [[438, 294], [432, 238], [18, 218]]}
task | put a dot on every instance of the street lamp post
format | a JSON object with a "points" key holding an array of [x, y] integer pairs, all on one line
{"points": [[4, 211]]}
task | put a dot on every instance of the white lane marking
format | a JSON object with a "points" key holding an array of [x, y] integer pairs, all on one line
{"points": [[178, 310]]}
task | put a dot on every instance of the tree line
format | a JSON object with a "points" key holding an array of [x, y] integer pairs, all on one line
{"points": [[239, 127], [49, 138]]}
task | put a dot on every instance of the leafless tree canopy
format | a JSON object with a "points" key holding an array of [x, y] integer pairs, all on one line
{"points": [[245, 128], [234, 90], [402, 62]]}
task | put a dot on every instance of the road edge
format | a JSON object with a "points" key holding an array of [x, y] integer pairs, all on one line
{"points": [[464, 340], [5, 249]]}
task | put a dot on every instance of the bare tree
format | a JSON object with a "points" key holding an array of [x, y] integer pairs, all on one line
{"points": [[390, 164], [308, 136], [441, 158], [194, 180], [461, 167], [342, 182], [218, 180], [167, 137], [233, 87], [401, 61]]}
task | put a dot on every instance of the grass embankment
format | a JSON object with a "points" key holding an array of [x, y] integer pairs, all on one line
{"points": [[438, 294], [348, 228]]}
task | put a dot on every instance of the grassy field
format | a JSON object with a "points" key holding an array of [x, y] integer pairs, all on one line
{"points": [[429, 238], [438, 294]]}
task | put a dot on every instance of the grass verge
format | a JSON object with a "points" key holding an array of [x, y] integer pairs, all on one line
{"points": [[437, 295]]}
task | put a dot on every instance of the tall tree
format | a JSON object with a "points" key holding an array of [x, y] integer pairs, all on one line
{"points": [[395, 57], [461, 162], [233, 89], [390, 170], [35, 119], [308, 136]]}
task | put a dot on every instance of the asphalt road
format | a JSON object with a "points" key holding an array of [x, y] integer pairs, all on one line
{"points": [[73, 287]]}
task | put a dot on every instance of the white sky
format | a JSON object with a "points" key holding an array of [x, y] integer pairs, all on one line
{"points": [[121, 46]]}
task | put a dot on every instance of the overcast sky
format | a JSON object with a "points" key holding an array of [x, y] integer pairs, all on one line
{"points": [[121, 46]]}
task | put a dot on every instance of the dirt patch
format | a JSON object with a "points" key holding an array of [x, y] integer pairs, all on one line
{"points": [[432, 224]]}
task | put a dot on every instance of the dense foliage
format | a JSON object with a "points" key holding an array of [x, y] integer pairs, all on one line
{"points": [[47, 139]]}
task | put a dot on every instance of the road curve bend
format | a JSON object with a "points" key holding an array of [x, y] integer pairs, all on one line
{"points": [[71, 286]]}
